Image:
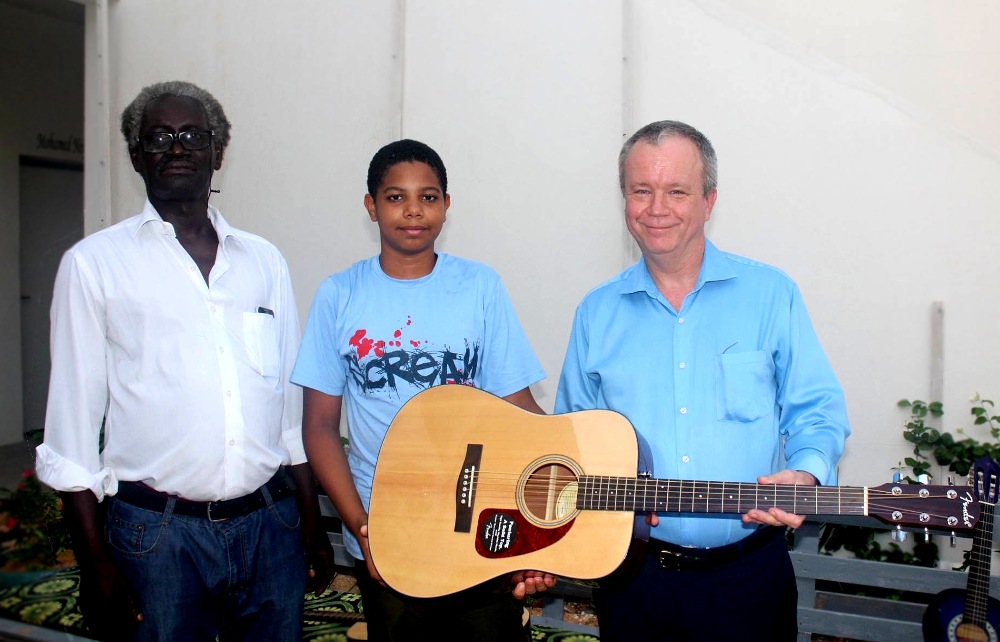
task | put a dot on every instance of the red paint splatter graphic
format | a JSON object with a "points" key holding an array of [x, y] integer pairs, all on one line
{"points": [[362, 344]]}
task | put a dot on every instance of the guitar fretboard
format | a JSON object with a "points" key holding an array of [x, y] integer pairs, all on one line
{"points": [[689, 496], [978, 588]]}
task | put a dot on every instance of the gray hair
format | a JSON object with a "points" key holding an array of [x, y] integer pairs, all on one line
{"points": [[655, 133], [132, 115]]}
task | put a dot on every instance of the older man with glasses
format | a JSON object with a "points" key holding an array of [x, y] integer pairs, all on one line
{"points": [[175, 333]]}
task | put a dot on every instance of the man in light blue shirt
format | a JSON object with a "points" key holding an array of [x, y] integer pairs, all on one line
{"points": [[713, 359]]}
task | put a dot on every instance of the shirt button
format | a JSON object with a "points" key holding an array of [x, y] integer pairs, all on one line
{"points": [[685, 459], [684, 411], [680, 320], [222, 350], [682, 365], [190, 268], [212, 308], [229, 393], [232, 442]]}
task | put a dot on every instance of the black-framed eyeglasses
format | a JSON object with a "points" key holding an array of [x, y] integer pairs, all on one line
{"points": [[191, 140]]}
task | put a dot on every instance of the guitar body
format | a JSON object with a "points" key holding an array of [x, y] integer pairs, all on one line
{"points": [[943, 620], [469, 487]]}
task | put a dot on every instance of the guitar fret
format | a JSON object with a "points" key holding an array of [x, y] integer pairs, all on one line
{"points": [[727, 497]]}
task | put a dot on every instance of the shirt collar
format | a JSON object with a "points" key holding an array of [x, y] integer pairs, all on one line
{"points": [[150, 216], [714, 267]]}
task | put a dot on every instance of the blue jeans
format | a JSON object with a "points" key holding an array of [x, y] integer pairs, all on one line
{"points": [[240, 579]]}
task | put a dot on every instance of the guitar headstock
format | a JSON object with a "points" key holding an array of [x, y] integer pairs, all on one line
{"points": [[916, 506], [985, 474]]}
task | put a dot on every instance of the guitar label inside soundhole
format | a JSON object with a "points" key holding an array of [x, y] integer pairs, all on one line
{"points": [[498, 533]]}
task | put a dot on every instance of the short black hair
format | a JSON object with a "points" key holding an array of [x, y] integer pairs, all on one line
{"points": [[404, 151]]}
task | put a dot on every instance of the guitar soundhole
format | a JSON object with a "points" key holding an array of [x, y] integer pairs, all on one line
{"points": [[959, 632], [546, 492]]}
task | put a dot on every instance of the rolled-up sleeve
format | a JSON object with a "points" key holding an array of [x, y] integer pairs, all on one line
{"points": [[69, 458]]}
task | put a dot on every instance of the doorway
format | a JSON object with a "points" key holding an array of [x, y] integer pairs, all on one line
{"points": [[51, 221]]}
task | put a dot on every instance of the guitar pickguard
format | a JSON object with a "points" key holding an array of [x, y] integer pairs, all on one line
{"points": [[506, 533]]}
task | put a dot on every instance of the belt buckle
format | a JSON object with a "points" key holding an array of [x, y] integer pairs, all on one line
{"points": [[671, 560], [209, 514]]}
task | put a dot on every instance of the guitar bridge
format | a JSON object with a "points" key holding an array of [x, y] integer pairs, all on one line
{"points": [[465, 488]]}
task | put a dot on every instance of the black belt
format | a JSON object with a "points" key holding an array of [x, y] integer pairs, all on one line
{"points": [[683, 558], [142, 496]]}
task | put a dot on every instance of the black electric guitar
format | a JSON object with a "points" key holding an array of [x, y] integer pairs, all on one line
{"points": [[469, 487], [971, 615]]}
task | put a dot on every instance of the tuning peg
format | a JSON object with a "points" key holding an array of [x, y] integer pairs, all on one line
{"points": [[923, 478], [951, 480], [927, 536], [896, 477], [953, 539], [899, 534]]}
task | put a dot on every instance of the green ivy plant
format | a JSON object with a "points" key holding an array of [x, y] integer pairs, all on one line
{"points": [[957, 454]]}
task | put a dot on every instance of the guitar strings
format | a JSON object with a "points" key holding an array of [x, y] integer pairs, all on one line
{"points": [[711, 496]]}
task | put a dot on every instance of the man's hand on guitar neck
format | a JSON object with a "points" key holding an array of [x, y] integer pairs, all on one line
{"points": [[776, 516], [772, 516]]}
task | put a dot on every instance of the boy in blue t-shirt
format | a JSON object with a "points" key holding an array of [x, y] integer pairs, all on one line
{"points": [[382, 331]]}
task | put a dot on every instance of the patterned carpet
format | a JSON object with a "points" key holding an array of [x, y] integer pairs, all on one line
{"points": [[51, 602]]}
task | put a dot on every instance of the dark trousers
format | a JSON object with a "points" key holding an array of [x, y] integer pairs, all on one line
{"points": [[485, 613], [750, 598]]}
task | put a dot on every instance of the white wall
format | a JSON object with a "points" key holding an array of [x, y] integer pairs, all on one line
{"points": [[876, 208], [41, 73], [525, 114], [315, 89], [873, 197], [939, 56]]}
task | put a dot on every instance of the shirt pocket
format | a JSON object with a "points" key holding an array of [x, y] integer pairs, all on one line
{"points": [[260, 337], [745, 389]]}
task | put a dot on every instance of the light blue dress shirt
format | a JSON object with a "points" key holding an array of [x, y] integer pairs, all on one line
{"points": [[732, 386]]}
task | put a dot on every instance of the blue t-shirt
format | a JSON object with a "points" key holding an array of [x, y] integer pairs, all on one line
{"points": [[377, 341], [732, 386]]}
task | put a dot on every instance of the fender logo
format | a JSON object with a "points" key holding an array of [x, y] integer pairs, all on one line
{"points": [[966, 517]]}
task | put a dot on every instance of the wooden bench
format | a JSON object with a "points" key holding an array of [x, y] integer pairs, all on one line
{"points": [[861, 617]]}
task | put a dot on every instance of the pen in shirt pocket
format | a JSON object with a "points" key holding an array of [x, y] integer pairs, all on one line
{"points": [[263, 310]]}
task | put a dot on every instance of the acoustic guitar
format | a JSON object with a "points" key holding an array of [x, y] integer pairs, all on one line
{"points": [[469, 487], [971, 615]]}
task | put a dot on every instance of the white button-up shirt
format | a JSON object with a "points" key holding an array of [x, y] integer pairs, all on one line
{"points": [[191, 377]]}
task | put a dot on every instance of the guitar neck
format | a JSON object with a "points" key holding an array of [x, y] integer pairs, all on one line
{"points": [[689, 496], [978, 589]]}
